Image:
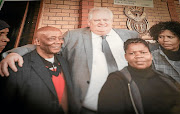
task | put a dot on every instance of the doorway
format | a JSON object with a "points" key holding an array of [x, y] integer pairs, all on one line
{"points": [[15, 13]]}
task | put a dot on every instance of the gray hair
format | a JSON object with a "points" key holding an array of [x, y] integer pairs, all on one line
{"points": [[90, 15]]}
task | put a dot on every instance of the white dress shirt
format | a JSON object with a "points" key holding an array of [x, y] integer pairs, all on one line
{"points": [[99, 66]]}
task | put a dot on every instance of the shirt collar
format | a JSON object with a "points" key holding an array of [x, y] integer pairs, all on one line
{"points": [[94, 35], [111, 32]]}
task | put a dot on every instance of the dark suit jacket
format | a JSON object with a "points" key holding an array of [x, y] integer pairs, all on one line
{"points": [[31, 89]]}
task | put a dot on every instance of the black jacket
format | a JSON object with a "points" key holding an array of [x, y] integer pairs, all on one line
{"points": [[31, 90]]}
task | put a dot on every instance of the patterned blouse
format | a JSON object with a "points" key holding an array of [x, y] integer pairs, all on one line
{"points": [[162, 63]]}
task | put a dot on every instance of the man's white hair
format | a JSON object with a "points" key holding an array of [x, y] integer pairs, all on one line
{"points": [[90, 15]]}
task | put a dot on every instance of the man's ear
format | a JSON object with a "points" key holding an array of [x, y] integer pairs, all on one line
{"points": [[125, 55], [88, 22], [36, 41]]}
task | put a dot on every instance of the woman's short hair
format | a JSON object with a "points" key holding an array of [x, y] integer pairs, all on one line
{"points": [[134, 41], [172, 26]]}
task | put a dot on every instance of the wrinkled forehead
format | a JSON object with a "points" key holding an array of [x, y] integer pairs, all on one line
{"points": [[136, 46], [48, 29], [49, 34], [99, 14]]}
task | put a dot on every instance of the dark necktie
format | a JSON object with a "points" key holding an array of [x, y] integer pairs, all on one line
{"points": [[111, 63]]}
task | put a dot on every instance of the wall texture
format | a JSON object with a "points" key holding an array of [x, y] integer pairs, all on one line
{"points": [[71, 14], [177, 4]]}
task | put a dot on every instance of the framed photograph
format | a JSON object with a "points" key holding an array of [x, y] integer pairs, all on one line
{"points": [[141, 3]]}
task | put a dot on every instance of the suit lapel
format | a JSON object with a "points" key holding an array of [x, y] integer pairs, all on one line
{"points": [[87, 37], [122, 34], [43, 73], [65, 70]]}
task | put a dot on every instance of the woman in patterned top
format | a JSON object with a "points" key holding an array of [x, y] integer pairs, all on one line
{"points": [[167, 57]]}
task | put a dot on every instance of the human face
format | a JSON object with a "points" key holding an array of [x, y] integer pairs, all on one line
{"points": [[138, 56], [168, 40], [49, 43], [101, 23], [3, 38]]}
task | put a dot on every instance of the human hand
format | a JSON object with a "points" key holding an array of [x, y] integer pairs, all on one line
{"points": [[10, 61]]}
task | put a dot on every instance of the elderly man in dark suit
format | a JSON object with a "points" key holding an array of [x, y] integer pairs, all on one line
{"points": [[43, 84], [85, 49]]}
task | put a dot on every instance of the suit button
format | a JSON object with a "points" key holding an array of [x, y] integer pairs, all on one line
{"points": [[88, 82]]}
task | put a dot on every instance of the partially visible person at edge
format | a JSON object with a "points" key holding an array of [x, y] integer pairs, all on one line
{"points": [[158, 97], [43, 84], [167, 57], [4, 29], [83, 51]]}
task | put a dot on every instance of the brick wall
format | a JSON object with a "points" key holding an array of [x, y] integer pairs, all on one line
{"points": [[63, 14], [159, 12], [85, 6], [71, 14], [177, 5], [172, 10]]}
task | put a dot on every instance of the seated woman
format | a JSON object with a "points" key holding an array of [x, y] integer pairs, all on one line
{"points": [[158, 93], [167, 57]]}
